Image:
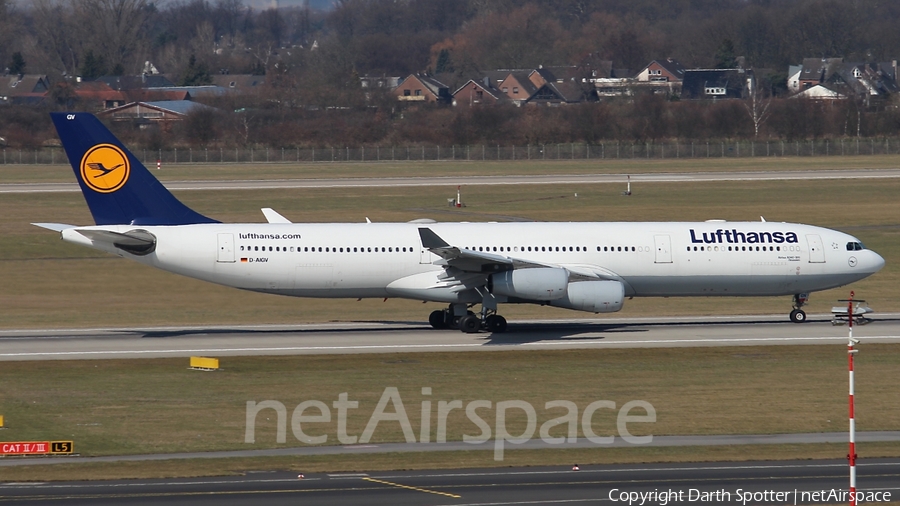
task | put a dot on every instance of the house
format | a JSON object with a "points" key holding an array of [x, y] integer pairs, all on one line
{"points": [[478, 92], [123, 83], [555, 93], [422, 88], [836, 78], [386, 82], [147, 113], [793, 82], [819, 92], [519, 86], [157, 95], [98, 96], [661, 71], [238, 83], [715, 84], [817, 71], [865, 80], [23, 88]]}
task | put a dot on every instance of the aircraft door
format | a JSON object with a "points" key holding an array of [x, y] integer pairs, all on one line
{"points": [[663, 249], [226, 248], [816, 250], [425, 256]]}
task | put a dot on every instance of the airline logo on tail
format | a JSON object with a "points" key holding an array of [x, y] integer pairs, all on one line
{"points": [[105, 168]]}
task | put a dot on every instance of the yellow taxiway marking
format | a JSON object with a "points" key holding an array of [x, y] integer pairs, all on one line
{"points": [[417, 489]]}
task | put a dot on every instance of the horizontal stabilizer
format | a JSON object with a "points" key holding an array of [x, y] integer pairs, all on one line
{"points": [[59, 227], [273, 217], [137, 242]]}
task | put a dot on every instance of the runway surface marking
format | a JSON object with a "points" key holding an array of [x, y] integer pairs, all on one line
{"points": [[533, 444], [417, 489], [579, 344], [664, 177]]}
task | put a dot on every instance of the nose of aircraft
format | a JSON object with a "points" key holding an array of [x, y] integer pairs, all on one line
{"points": [[874, 262]]}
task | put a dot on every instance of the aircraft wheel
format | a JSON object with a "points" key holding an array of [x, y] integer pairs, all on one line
{"points": [[798, 316], [469, 324], [495, 323], [437, 319]]}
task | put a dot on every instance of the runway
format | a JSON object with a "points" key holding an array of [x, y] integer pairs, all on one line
{"points": [[789, 482], [394, 337], [542, 179]]}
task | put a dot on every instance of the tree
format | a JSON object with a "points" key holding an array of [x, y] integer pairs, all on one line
{"points": [[444, 64], [200, 126], [725, 58], [757, 105], [17, 64], [92, 66], [112, 28], [196, 74]]}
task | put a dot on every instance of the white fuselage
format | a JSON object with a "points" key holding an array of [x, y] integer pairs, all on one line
{"points": [[388, 260]]}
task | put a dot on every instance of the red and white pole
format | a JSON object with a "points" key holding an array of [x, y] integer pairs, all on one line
{"points": [[158, 164], [851, 457], [458, 201]]}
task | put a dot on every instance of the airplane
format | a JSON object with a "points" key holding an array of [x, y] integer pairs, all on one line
{"points": [[589, 266]]}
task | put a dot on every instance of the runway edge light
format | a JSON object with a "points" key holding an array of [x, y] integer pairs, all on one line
{"points": [[204, 364]]}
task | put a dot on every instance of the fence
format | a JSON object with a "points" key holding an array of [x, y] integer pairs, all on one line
{"points": [[483, 152]]}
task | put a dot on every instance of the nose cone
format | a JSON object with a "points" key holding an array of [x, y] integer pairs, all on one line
{"points": [[873, 262]]}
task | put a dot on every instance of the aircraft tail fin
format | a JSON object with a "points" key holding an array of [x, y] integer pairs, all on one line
{"points": [[118, 189]]}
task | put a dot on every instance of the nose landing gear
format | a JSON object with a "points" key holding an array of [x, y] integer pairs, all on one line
{"points": [[798, 315]]}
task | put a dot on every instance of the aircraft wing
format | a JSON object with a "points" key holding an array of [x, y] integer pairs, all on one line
{"points": [[481, 262]]}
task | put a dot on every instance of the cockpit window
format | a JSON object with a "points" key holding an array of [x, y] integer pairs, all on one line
{"points": [[855, 246]]}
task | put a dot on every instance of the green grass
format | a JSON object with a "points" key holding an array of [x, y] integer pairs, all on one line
{"points": [[114, 407], [48, 283]]}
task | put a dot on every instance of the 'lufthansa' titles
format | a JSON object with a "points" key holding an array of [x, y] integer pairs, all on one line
{"points": [[735, 237]]}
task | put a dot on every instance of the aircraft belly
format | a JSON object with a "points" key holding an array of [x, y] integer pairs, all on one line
{"points": [[737, 285]]}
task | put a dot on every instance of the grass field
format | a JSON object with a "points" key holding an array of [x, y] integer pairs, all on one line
{"points": [[48, 283], [149, 406]]}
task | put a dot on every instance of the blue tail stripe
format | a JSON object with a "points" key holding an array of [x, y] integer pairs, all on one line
{"points": [[140, 200]]}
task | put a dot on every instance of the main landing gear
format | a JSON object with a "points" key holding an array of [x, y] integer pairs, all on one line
{"points": [[798, 315], [458, 316]]}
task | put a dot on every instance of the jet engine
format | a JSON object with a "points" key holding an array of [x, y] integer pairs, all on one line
{"points": [[593, 296], [541, 283]]}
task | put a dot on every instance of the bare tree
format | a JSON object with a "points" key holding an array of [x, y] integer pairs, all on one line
{"points": [[112, 28], [757, 105]]}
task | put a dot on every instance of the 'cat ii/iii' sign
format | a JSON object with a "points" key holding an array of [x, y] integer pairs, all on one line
{"points": [[37, 448]]}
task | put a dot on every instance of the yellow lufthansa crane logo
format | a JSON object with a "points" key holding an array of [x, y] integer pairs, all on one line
{"points": [[105, 168]]}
